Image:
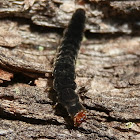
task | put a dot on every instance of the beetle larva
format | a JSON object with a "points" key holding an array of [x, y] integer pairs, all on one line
{"points": [[64, 67]]}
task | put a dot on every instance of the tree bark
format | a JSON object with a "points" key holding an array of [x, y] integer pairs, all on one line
{"points": [[108, 70]]}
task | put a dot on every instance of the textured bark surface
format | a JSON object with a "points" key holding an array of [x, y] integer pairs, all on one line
{"points": [[108, 70]]}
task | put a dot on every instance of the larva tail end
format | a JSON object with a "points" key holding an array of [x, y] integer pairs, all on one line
{"points": [[79, 118]]}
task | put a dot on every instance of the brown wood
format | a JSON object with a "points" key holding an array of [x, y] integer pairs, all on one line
{"points": [[108, 70]]}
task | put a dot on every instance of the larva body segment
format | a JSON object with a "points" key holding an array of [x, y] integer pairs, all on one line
{"points": [[64, 67]]}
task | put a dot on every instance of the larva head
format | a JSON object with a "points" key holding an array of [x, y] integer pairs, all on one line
{"points": [[80, 2], [79, 118]]}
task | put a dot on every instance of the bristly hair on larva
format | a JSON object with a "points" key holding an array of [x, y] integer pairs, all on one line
{"points": [[64, 67]]}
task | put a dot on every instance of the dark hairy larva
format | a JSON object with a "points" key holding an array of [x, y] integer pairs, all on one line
{"points": [[64, 68]]}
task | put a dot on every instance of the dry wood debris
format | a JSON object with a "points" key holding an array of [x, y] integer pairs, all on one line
{"points": [[108, 70]]}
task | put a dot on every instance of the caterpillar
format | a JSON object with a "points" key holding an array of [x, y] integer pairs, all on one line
{"points": [[64, 67]]}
